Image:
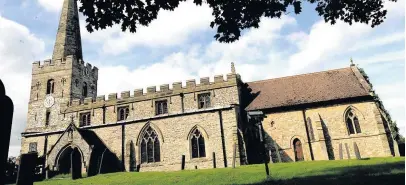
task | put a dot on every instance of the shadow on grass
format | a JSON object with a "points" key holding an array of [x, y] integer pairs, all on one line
{"points": [[380, 174]]}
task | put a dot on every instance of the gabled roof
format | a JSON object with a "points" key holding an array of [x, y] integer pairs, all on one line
{"points": [[89, 136], [308, 88]]}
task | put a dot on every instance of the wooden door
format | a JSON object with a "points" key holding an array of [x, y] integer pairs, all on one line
{"points": [[298, 150]]}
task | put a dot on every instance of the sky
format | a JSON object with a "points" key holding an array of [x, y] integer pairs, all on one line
{"points": [[179, 45]]}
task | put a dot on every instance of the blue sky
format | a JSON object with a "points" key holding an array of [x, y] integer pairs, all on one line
{"points": [[179, 45]]}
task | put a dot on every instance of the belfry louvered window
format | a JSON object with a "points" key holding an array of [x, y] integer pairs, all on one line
{"points": [[32, 147], [352, 122], [197, 144], [150, 147], [50, 86], [84, 89]]}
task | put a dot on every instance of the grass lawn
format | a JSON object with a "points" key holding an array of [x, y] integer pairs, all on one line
{"points": [[368, 171]]}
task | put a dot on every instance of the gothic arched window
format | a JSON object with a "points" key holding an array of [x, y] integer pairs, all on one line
{"points": [[150, 147], [352, 122], [50, 86], [197, 144], [84, 90], [310, 129]]}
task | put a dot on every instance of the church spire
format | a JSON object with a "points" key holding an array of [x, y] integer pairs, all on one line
{"points": [[68, 41]]}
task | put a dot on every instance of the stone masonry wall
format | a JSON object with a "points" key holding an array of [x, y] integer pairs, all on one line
{"points": [[183, 114], [371, 141], [175, 142]]}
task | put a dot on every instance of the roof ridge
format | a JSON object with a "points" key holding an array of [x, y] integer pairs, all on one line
{"points": [[304, 74]]}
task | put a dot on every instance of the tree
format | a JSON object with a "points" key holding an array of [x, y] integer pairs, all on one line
{"points": [[230, 16], [10, 170]]}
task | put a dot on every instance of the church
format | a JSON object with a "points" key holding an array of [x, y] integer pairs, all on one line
{"points": [[327, 115]]}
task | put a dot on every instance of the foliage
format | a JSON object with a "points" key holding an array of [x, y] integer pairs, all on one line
{"points": [[393, 126], [389, 170], [11, 170], [230, 16]]}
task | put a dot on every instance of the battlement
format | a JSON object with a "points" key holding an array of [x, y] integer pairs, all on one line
{"points": [[152, 92], [68, 62]]}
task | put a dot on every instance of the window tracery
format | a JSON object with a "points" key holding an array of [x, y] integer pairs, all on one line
{"points": [[150, 146]]}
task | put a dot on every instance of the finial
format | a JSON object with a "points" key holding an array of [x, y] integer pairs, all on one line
{"points": [[352, 62], [232, 68]]}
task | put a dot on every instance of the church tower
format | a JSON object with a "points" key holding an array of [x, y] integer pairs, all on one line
{"points": [[64, 77]]}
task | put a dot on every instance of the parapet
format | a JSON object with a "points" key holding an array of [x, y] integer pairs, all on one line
{"points": [[112, 96], [125, 94], [88, 100], [152, 92], [68, 62]]}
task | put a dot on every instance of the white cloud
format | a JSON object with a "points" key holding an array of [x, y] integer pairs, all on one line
{"points": [[383, 57], [17, 48], [51, 5], [169, 29], [380, 41], [324, 41]]}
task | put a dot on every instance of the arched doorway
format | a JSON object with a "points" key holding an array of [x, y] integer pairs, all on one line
{"points": [[70, 161], [76, 164], [298, 150]]}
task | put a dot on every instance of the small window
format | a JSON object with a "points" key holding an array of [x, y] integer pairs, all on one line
{"points": [[85, 119], [32, 147], [352, 122], [50, 86], [47, 117], [161, 107], [77, 83], [122, 113], [84, 90], [204, 100]]}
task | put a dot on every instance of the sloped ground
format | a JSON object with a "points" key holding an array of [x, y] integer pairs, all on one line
{"points": [[367, 171]]}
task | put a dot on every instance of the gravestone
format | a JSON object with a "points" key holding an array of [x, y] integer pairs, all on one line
{"points": [[133, 165], [6, 117], [183, 162], [356, 150], [26, 170]]}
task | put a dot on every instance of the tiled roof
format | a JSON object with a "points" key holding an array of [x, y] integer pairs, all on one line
{"points": [[308, 88]]}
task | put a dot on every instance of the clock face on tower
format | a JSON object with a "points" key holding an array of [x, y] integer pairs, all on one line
{"points": [[49, 101]]}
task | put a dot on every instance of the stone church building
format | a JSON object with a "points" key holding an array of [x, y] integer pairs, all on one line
{"points": [[328, 115]]}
